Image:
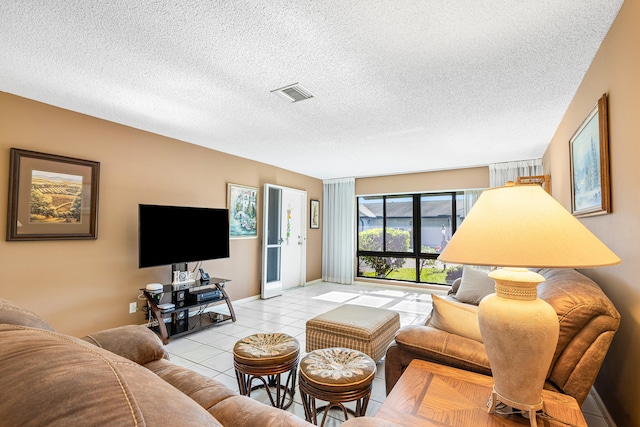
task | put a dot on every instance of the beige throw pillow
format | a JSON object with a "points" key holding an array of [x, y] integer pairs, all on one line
{"points": [[474, 286], [455, 318]]}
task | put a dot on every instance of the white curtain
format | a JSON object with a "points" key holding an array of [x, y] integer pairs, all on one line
{"points": [[500, 173], [338, 230], [470, 199]]}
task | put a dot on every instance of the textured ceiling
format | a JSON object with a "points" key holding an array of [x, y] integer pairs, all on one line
{"points": [[399, 86]]}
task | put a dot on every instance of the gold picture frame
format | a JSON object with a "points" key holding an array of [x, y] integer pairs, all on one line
{"points": [[589, 164]]}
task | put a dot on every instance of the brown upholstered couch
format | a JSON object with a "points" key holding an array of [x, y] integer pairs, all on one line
{"points": [[116, 377], [588, 322]]}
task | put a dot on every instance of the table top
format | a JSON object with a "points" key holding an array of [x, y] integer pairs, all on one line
{"points": [[429, 394]]}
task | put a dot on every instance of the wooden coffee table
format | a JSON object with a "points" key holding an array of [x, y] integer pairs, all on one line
{"points": [[429, 394]]}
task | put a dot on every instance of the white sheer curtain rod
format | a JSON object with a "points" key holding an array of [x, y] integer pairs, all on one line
{"points": [[500, 173]]}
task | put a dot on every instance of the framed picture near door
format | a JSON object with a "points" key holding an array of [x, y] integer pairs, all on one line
{"points": [[589, 157], [242, 202], [314, 216]]}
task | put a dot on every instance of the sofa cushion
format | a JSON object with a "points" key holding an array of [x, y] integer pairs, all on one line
{"points": [[247, 412], [207, 392], [474, 286], [13, 314], [455, 317], [57, 380]]}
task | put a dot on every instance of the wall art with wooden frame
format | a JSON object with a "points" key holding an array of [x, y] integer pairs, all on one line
{"points": [[52, 197], [589, 158]]}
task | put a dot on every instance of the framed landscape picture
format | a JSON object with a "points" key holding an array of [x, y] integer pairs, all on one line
{"points": [[52, 197], [242, 202], [589, 157]]}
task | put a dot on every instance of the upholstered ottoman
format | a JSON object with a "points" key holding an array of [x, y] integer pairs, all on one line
{"points": [[366, 329], [335, 375], [267, 355]]}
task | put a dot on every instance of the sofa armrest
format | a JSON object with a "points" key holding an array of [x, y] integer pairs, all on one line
{"points": [[433, 345], [453, 290], [443, 347], [134, 342]]}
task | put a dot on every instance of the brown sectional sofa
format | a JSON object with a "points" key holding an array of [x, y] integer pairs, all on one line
{"points": [[116, 377], [588, 322]]}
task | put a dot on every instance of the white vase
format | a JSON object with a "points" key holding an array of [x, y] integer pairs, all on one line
{"points": [[520, 334]]}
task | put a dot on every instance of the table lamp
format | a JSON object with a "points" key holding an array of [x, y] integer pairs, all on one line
{"points": [[515, 228]]}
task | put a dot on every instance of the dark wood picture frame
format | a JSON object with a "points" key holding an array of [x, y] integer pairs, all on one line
{"points": [[314, 214], [589, 158], [52, 197]]}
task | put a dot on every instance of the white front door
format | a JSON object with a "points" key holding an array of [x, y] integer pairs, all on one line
{"points": [[294, 204], [284, 238]]}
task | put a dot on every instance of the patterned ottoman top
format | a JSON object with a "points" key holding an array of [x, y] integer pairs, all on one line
{"points": [[339, 369], [266, 349]]}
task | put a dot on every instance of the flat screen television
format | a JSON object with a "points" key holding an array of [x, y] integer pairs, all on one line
{"points": [[170, 235]]}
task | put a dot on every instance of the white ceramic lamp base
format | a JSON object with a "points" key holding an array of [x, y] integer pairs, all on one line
{"points": [[520, 334]]}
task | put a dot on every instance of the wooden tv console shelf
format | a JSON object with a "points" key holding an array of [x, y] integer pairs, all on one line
{"points": [[188, 314]]}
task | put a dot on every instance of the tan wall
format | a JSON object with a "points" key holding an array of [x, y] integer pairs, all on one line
{"points": [[615, 71], [83, 286], [458, 179]]}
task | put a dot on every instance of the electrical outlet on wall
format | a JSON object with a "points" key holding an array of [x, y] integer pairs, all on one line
{"points": [[133, 307]]}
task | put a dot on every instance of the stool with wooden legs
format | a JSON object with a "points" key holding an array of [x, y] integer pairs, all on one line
{"points": [[337, 376], [265, 357]]}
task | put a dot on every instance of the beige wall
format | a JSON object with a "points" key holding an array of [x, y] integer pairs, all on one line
{"points": [[83, 286], [458, 179], [616, 71]]}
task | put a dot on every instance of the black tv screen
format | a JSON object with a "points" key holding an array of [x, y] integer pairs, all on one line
{"points": [[177, 234]]}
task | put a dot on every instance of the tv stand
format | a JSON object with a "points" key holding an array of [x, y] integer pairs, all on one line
{"points": [[188, 315]]}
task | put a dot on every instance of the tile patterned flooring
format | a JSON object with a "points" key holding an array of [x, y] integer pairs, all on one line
{"points": [[210, 351]]}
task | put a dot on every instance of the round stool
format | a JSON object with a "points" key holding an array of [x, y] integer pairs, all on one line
{"points": [[335, 375], [267, 355]]}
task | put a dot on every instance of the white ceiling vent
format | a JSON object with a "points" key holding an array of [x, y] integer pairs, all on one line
{"points": [[293, 93]]}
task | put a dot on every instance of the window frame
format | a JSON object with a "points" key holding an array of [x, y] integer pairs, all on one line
{"points": [[415, 254]]}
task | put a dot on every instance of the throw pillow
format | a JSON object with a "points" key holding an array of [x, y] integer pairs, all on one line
{"points": [[455, 318], [474, 286]]}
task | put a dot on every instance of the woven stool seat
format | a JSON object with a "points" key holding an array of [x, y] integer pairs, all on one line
{"points": [[335, 375], [366, 329], [261, 356]]}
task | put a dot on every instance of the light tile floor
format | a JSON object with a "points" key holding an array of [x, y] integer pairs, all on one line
{"points": [[210, 351]]}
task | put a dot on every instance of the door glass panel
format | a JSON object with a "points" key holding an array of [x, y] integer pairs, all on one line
{"points": [[273, 226], [273, 264]]}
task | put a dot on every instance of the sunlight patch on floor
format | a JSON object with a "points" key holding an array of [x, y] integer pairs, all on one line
{"points": [[335, 296]]}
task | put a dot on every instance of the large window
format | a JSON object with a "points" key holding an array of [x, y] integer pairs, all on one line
{"points": [[401, 236]]}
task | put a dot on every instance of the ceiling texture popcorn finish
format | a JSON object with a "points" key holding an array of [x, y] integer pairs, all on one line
{"points": [[398, 86]]}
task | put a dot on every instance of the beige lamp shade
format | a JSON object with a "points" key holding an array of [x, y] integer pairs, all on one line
{"points": [[523, 226]]}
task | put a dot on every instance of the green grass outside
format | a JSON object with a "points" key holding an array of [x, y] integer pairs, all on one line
{"points": [[427, 275]]}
